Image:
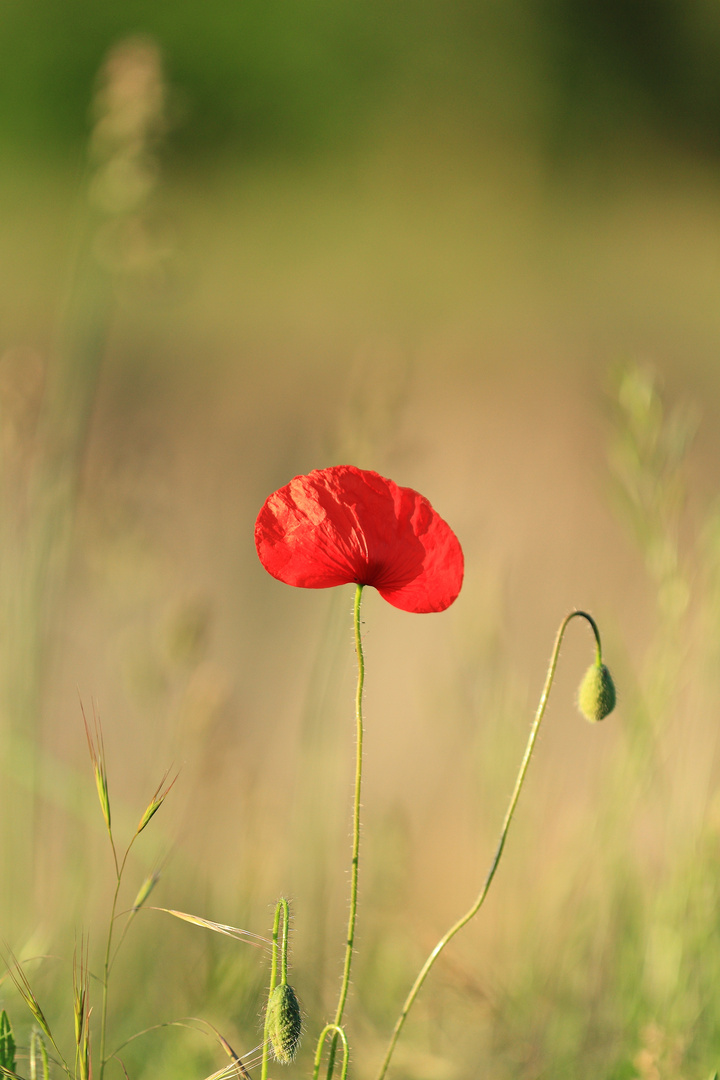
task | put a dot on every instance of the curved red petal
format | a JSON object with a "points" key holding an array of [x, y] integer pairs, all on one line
{"points": [[345, 524]]}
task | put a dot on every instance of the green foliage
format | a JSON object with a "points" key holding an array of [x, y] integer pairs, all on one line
{"points": [[7, 1044], [605, 954], [293, 75]]}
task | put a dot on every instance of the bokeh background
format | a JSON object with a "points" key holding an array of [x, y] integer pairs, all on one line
{"points": [[474, 246]]}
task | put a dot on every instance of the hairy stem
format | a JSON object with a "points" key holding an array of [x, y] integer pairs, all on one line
{"points": [[284, 947], [280, 908], [337, 1033], [356, 832], [356, 810]]}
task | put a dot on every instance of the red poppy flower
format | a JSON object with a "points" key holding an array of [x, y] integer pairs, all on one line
{"points": [[345, 524]]}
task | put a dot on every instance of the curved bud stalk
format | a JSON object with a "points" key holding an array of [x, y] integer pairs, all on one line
{"points": [[337, 1033], [283, 1019], [596, 700]]}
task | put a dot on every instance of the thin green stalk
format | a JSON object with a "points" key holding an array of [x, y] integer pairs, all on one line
{"points": [[108, 949], [409, 1001], [338, 1033], [356, 833], [284, 946], [281, 907], [356, 810]]}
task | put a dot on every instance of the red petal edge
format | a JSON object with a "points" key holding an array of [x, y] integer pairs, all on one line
{"points": [[344, 524]]}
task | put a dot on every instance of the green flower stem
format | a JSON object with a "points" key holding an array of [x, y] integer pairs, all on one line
{"points": [[281, 907], [356, 810], [356, 834], [284, 946], [409, 1001], [338, 1033], [596, 632]]}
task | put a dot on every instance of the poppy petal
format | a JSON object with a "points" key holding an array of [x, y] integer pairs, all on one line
{"points": [[345, 524]]}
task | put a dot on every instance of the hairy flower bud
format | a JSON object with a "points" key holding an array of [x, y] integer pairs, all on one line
{"points": [[596, 696], [284, 1023]]}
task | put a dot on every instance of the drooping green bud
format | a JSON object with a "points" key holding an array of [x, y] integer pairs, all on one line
{"points": [[284, 1023], [596, 696]]}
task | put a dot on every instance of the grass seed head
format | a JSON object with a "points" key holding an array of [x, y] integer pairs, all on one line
{"points": [[145, 889], [284, 1023], [596, 696], [96, 747], [156, 802]]}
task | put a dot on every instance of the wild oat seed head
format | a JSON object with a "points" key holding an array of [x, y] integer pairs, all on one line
{"points": [[161, 793], [596, 696], [284, 1023], [145, 889]]}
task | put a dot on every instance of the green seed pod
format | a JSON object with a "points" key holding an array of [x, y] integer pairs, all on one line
{"points": [[596, 696], [284, 1023]]}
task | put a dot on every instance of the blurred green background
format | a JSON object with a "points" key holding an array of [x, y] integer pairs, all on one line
{"points": [[474, 246]]}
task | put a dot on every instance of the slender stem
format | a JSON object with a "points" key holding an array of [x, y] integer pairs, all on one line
{"points": [[281, 906], [356, 832], [106, 967], [596, 632], [503, 834], [356, 810], [338, 1033], [284, 947]]}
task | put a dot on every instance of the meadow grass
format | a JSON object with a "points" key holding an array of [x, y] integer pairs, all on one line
{"points": [[600, 949], [131, 571]]}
